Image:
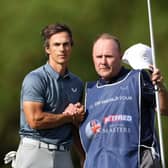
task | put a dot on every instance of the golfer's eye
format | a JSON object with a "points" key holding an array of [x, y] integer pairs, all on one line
{"points": [[57, 44], [66, 44], [62, 44]]}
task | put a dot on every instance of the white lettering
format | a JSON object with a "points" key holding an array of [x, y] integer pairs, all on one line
{"points": [[116, 118]]}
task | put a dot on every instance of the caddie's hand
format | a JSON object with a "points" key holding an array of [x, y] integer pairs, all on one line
{"points": [[157, 79], [156, 76], [79, 114]]}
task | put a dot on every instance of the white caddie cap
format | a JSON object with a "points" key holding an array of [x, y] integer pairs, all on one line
{"points": [[138, 56]]}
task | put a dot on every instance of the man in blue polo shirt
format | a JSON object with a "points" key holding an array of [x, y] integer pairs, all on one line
{"points": [[50, 106], [119, 128]]}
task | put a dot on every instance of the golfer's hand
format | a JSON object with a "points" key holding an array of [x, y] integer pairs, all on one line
{"points": [[76, 112], [70, 110]]}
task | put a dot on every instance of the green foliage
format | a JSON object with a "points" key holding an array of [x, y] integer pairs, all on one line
{"points": [[21, 46]]}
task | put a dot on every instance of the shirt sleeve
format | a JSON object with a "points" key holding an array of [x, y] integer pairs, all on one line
{"points": [[33, 88], [147, 89]]}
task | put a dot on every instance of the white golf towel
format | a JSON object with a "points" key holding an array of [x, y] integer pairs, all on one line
{"points": [[138, 56]]}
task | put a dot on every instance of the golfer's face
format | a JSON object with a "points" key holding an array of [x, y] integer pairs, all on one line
{"points": [[59, 48], [106, 58]]}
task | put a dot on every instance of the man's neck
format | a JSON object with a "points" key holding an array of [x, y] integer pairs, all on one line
{"points": [[59, 68], [122, 73]]}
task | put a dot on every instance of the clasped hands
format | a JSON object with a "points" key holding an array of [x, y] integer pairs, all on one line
{"points": [[76, 112]]}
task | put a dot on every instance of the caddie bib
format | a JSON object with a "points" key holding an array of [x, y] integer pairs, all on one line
{"points": [[110, 133]]}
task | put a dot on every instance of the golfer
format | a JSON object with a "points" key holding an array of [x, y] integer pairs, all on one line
{"points": [[50, 106]]}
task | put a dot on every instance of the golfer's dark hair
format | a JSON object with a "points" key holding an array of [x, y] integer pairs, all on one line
{"points": [[52, 29], [110, 37]]}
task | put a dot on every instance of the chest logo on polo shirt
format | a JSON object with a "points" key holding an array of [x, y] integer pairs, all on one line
{"points": [[74, 90]]}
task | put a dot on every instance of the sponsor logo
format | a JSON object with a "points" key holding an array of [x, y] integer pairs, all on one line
{"points": [[124, 87], [109, 100], [115, 124], [92, 128], [74, 90], [117, 118]]}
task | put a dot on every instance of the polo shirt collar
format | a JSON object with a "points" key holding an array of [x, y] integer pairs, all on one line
{"points": [[55, 74]]}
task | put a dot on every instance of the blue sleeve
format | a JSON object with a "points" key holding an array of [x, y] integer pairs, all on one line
{"points": [[33, 88]]}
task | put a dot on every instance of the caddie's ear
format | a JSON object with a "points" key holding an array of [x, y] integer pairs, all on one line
{"points": [[121, 55]]}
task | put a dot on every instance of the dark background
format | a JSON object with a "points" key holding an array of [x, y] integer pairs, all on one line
{"points": [[21, 47]]}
